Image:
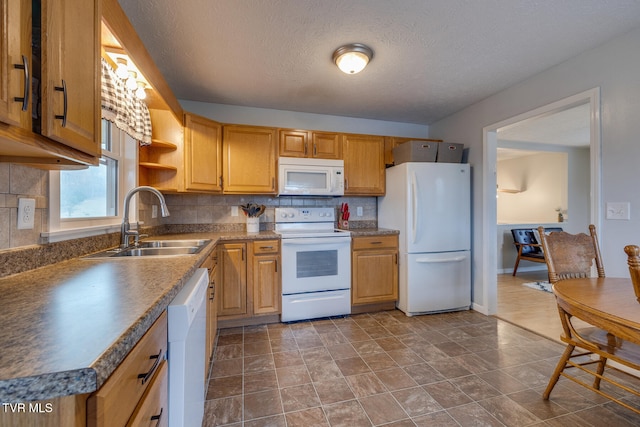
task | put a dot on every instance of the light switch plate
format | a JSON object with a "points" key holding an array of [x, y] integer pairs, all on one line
{"points": [[26, 213], [154, 211], [359, 211], [618, 210], [234, 211]]}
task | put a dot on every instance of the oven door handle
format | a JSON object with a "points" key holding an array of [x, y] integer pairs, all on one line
{"points": [[316, 297], [316, 241]]}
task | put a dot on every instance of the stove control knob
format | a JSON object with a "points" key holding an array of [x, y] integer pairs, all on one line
{"points": [[283, 215], [291, 215]]}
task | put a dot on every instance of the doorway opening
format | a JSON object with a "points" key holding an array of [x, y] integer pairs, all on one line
{"points": [[581, 208]]}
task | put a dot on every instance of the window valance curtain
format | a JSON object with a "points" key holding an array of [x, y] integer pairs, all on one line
{"points": [[123, 108]]}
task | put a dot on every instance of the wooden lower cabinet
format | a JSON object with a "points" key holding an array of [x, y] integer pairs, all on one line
{"points": [[211, 264], [248, 286], [374, 268], [124, 394], [153, 409], [265, 275], [232, 289], [65, 411]]}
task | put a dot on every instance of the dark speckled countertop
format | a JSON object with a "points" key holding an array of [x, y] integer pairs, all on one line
{"points": [[67, 327], [358, 232]]}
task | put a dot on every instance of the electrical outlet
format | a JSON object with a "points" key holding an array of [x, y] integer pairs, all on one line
{"points": [[234, 211], [26, 213], [359, 211], [154, 211], [618, 210]]}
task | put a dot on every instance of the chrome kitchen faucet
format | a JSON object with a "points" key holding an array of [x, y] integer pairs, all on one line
{"points": [[125, 228]]}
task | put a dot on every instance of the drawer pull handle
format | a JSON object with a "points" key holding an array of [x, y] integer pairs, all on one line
{"points": [[376, 243], [157, 417], [145, 376], [266, 247]]}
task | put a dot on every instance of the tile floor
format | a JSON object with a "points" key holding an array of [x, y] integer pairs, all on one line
{"points": [[453, 369]]}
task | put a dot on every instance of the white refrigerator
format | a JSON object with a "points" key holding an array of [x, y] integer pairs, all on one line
{"points": [[430, 204]]}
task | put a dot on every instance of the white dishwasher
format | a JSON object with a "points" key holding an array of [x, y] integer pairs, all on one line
{"points": [[187, 327]]}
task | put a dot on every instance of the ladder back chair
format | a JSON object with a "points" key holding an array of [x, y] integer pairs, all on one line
{"points": [[572, 256]]}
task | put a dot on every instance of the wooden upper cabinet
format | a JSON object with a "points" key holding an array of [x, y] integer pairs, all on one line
{"points": [[70, 73], [364, 165], [326, 145], [26, 58], [202, 154], [294, 143], [302, 143], [249, 159], [15, 60]]}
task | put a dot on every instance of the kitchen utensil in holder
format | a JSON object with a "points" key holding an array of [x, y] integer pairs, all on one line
{"points": [[253, 224]]}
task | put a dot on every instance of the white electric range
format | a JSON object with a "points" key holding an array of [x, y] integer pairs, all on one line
{"points": [[316, 264]]}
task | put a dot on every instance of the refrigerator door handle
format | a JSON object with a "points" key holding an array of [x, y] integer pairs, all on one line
{"points": [[414, 207], [440, 260]]}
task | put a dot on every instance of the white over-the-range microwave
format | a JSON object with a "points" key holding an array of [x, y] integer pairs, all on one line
{"points": [[310, 177]]}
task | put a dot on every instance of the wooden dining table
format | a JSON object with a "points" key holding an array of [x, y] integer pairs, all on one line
{"points": [[607, 303]]}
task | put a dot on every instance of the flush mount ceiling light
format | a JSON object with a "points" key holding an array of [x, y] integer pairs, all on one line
{"points": [[352, 58]]}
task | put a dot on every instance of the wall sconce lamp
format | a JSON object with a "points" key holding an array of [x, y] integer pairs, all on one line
{"points": [[123, 69], [352, 58], [140, 92], [128, 72], [131, 82]]}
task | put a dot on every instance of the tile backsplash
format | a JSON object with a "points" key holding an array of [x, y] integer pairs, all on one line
{"points": [[18, 181], [217, 209]]}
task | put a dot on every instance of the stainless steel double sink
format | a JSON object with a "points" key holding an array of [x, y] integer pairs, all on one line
{"points": [[155, 248]]}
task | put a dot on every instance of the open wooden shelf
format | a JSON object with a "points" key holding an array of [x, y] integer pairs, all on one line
{"points": [[158, 143], [150, 165]]}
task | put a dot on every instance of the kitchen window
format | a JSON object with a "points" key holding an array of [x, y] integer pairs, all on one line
{"points": [[88, 201]]}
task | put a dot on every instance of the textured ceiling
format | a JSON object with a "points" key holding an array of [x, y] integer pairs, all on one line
{"points": [[431, 57]]}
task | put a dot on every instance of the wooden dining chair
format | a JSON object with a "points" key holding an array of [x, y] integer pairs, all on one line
{"points": [[571, 256], [633, 261]]}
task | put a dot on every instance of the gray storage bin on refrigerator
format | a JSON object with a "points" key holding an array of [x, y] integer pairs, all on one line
{"points": [[450, 153], [415, 151]]}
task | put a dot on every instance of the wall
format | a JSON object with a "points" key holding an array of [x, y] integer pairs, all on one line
{"points": [[294, 120], [542, 180], [613, 67]]}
